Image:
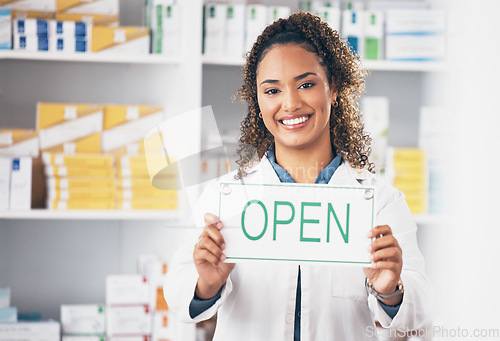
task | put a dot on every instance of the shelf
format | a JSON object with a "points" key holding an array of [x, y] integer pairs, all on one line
{"points": [[88, 57], [377, 65], [41, 214]]}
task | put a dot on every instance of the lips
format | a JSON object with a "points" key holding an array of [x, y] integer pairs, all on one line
{"points": [[290, 121]]}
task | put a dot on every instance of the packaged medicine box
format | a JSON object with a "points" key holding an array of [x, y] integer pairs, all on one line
{"points": [[5, 29], [69, 127], [127, 289], [128, 320], [20, 184], [122, 39], [47, 6], [83, 319], [18, 142]]}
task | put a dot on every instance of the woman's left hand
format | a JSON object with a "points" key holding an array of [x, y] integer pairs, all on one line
{"points": [[387, 262]]}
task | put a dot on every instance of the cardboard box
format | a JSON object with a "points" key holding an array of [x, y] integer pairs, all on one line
{"points": [[69, 44], [122, 39], [64, 171], [8, 314], [332, 16], [30, 5], [20, 184], [128, 124], [81, 205], [80, 183], [165, 20], [256, 21], [83, 319], [69, 127], [235, 31], [18, 142], [5, 169], [5, 29], [162, 326], [32, 27], [70, 29], [135, 320], [214, 29], [98, 12], [127, 289], [373, 34], [4, 298], [84, 338], [31, 43], [101, 194], [78, 160], [352, 30], [32, 331]]}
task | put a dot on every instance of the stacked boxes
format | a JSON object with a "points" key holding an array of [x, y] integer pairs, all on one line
{"points": [[417, 35], [163, 19], [33, 9], [409, 173], [70, 36], [31, 34], [376, 119], [17, 148], [127, 306], [69, 128], [135, 190], [32, 331], [86, 320], [81, 181], [5, 29]]}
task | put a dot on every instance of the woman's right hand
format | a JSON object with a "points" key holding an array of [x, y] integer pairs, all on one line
{"points": [[208, 259]]}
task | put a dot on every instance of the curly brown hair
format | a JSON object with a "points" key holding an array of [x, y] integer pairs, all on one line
{"points": [[342, 67]]}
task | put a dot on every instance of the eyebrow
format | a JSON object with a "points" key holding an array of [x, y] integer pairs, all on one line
{"points": [[299, 77]]}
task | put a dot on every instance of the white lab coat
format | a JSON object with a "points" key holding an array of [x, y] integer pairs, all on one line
{"points": [[258, 299]]}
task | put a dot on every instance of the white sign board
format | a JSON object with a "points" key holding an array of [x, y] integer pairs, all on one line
{"points": [[296, 222]]}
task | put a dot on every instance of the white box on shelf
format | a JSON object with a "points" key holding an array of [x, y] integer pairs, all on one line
{"points": [[20, 184], [376, 118], [5, 29], [32, 331], [8, 315], [127, 289], [132, 40], [5, 167], [70, 29], [68, 44], [235, 31], [134, 320], [31, 43], [108, 7], [415, 21], [32, 5], [332, 16], [355, 5], [256, 21], [277, 12], [84, 338], [373, 27], [32, 27], [162, 326], [352, 30], [83, 319], [171, 29], [415, 47], [215, 29], [4, 297], [18, 142]]}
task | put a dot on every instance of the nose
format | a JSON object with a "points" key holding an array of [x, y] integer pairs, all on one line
{"points": [[291, 100]]}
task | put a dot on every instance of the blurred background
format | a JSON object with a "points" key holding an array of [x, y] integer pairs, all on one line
{"points": [[85, 239]]}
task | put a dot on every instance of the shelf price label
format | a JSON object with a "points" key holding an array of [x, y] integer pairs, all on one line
{"points": [[296, 222]]}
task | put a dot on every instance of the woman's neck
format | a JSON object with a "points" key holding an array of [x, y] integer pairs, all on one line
{"points": [[303, 165]]}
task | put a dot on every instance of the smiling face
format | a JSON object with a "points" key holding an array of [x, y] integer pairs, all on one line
{"points": [[295, 98]]}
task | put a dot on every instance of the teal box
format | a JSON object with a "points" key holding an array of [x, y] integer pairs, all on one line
{"points": [[5, 30], [8, 315]]}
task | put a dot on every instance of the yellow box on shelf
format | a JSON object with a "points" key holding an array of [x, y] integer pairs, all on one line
{"points": [[54, 183], [144, 183], [18, 142], [63, 171], [120, 39], [69, 127], [97, 12], [409, 186], [81, 204], [138, 164], [139, 204], [78, 160], [405, 154], [417, 203], [126, 125], [82, 194], [151, 193]]}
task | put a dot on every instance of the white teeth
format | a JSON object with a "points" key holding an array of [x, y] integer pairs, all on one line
{"points": [[295, 120]]}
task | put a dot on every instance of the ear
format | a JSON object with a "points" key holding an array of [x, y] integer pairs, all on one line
{"points": [[333, 93]]}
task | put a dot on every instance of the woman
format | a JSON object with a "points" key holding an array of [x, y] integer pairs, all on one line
{"points": [[301, 82]]}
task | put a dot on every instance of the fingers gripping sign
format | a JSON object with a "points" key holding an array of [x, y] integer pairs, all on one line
{"points": [[209, 259], [387, 263]]}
